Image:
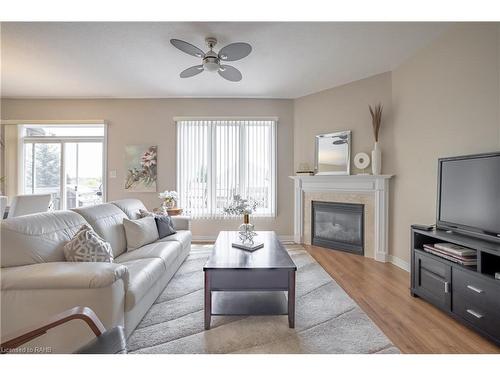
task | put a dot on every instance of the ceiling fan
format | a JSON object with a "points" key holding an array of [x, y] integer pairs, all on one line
{"points": [[214, 62]]}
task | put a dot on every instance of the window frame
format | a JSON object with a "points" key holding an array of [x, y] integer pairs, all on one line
{"points": [[211, 188], [62, 140]]}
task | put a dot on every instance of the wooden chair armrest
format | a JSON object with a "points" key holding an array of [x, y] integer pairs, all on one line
{"points": [[23, 336]]}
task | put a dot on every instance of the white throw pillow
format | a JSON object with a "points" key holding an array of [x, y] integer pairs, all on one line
{"points": [[87, 246], [140, 232]]}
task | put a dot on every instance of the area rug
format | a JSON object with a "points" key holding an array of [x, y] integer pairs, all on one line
{"points": [[327, 319]]}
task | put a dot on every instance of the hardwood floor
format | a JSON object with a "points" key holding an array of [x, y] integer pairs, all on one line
{"points": [[382, 291]]}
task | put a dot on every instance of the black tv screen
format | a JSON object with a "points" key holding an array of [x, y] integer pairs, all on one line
{"points": [[469, 193]]}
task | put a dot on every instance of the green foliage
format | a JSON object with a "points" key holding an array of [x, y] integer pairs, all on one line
{"points": [[47, 165]]}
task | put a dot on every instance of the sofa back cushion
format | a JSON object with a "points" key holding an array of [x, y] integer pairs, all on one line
{"points": [[131, 207], [37, 238], [107, 221]]}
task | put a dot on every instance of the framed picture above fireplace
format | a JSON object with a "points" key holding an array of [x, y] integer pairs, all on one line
{"points": [[333, 153]]}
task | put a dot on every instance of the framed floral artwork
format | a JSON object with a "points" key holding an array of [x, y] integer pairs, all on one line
{"points": [[141, 165]]}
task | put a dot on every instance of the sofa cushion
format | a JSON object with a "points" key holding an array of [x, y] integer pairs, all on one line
{"points": [[143, 274], [182, 236], [166, 251], [107, 221], [130, 207], [87, 246], [140, 232], [37, 238]]}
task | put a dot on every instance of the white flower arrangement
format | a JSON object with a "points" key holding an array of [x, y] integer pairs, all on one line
{"points": [[168, 196], [241, 206]]}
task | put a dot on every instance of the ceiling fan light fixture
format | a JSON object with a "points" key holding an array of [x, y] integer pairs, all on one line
{"points": [[211, 64], [211, 61]]}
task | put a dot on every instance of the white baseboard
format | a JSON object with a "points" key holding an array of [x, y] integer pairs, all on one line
{"points": [[399, 263], [286, 239], [212, 238]]}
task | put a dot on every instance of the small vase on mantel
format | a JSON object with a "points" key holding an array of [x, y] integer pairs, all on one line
{"points": [[376, 160]]}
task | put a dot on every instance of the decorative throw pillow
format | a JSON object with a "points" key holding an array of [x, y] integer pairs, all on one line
{"points": [[164, 223], [145, 213], [87, 246], [140, 232]]}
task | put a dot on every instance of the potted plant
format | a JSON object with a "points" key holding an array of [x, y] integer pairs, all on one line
{"points": [[169, 199]]}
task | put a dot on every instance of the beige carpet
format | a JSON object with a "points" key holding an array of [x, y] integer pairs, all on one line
{"points": [[327, 319]]}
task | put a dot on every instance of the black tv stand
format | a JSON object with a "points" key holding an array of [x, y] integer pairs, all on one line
{"points": [[468, 294]]}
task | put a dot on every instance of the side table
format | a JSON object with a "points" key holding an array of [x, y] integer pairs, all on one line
{"points": [[174, 211]]}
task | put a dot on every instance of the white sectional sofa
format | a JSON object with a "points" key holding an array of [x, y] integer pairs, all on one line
{"points": [[37, 282]]}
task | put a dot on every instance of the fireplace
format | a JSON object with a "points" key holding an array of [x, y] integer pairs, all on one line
{"points": [[338, 226]]}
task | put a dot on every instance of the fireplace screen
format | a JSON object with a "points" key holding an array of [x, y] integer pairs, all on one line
{"points": [[338, 226]]}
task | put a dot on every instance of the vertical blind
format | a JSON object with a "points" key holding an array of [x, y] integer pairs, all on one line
{"points": [[217, 159]]}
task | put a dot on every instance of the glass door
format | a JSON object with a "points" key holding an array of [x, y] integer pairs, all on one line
{"points": [[65, 160], [83, 173], [43, 170]]}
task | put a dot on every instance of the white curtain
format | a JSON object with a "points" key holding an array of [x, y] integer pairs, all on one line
{"points": [[217, 159]]}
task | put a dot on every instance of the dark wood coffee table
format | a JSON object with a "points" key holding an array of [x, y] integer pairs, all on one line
{"points": [[239, 282]]}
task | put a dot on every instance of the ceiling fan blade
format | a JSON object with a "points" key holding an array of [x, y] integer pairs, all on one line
{"points": [[230, 73], [235, 51], [194, 70], [187, 48]]}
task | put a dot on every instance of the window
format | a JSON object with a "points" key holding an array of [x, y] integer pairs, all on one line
{"points": [[66, 161], [217, 159]]}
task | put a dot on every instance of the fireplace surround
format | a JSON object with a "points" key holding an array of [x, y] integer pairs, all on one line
{"points": [[338, 226], [370, 190]]}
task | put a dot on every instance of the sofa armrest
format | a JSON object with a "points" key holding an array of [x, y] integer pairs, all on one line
{"points": [[63, 275], [181, 222]]}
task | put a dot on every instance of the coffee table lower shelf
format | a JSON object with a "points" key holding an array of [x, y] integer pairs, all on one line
{"points": [[272, 293], [249, 303]]}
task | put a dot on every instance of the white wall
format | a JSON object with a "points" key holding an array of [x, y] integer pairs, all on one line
{"points": [[150, 121], [442, 101], [344, 108], [445, 103]]}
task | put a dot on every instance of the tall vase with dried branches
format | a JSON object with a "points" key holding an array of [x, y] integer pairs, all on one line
{"points": [[376, 113]]}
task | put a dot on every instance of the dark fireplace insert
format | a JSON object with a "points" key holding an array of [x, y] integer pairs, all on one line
{"points": [[338, 226]]}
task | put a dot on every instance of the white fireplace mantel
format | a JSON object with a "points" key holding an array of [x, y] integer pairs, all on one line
{"points": [[378, 185]]}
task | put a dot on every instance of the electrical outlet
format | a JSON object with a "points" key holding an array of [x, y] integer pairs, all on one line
{"points": [[112, 173]]}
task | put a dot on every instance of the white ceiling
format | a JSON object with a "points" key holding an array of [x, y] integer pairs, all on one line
{"points": [[120, 60]]}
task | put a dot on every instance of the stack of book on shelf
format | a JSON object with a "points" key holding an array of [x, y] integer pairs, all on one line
{"points": [[304, 173], [455, 253]]}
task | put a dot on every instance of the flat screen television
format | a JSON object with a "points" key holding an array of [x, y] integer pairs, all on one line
{"points": [[469, 195]]}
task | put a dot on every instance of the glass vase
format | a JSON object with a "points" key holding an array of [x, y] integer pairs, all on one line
{"points": [[246, 230]]}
